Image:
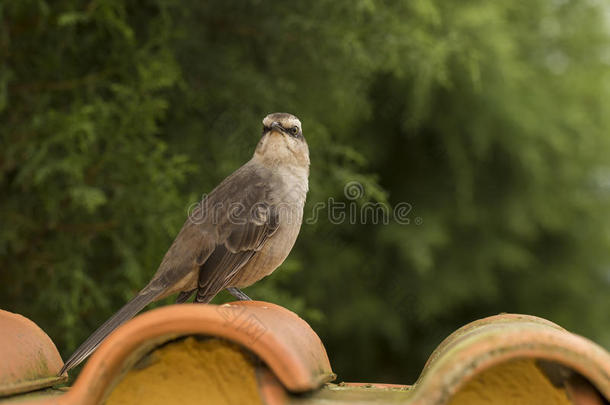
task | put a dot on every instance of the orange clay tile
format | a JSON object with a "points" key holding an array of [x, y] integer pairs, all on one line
{"points": [[490, 342], [500, 348], [285, 342], [29, 359]]}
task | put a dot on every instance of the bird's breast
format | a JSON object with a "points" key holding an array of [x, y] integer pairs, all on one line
{"points": [[289, 206]]}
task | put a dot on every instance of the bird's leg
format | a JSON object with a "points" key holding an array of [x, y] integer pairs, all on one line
{"points": [[239, 294]]}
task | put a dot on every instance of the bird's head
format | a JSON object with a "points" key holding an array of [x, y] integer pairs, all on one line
{"points": [[282, 142]]}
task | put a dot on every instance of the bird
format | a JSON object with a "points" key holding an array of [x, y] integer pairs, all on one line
{"points": [[237, 234]]}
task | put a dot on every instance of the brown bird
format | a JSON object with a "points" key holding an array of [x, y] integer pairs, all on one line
{"points": [[239, 233]]}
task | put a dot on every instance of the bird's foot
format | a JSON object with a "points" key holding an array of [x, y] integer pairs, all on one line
{"points": [[239, 294]]}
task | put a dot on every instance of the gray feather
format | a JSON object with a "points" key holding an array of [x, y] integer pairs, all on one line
{"points": [[241, 232]]}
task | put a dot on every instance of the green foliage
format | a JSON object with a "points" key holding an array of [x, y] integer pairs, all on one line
{"points": [[90, 191], [488, 118]]}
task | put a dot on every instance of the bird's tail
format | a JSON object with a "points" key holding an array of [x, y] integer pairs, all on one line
{"points": [[123, 315]]}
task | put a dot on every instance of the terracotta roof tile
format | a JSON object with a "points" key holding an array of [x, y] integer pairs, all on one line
{"points": [[500, 357], [489, 342], [30, 360]]}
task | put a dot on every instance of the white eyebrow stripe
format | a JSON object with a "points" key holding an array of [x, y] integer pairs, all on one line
{"points": [[285, 119]]}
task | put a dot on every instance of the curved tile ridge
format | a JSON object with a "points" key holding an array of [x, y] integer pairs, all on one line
{"points": [[285, 342], [488, 342], [30, 359]]}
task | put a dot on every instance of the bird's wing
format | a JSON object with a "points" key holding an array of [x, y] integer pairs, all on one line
{"points": [[220, 236], [243, 228]]}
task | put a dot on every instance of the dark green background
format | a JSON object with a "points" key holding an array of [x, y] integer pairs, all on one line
{"points": [[490, 118]]}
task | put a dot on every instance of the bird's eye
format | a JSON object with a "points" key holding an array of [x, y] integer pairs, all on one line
{"points": [[294, 130]]}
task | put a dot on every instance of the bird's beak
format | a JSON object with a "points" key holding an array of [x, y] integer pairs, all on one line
{"points": [[276, 127]]}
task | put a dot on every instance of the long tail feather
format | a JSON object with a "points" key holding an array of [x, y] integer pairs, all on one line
{"points": [[123, 315]]}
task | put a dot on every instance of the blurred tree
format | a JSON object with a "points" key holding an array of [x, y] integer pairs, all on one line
{"points": [[488, 118], [89, 191]]}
